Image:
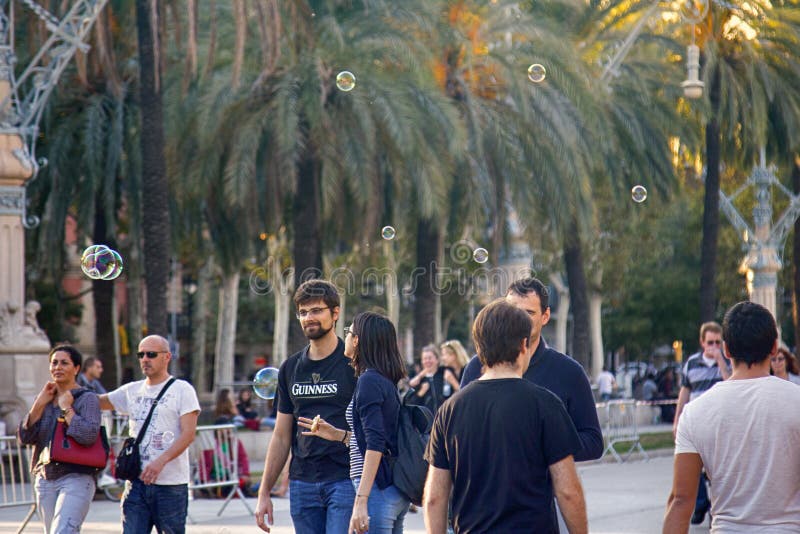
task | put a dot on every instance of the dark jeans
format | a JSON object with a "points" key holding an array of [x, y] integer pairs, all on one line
{"points": [[702, 502], [321, 507], [161, 506]]}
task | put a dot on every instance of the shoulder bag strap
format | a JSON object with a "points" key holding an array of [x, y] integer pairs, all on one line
{"points": [[142, 430]]}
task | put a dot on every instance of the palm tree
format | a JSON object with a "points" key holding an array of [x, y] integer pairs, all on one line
{"points": [[155, 190], [90, 133]]}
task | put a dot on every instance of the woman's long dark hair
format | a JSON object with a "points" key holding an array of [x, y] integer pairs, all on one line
{"points": [[377, 346]]}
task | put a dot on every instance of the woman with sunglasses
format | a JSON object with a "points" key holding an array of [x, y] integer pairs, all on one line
{"points": [[63, 491], [783, 364], [371, 344]]}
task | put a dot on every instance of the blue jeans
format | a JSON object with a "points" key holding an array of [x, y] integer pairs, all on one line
{"points": [[321, 507], [387, 509], [64, 502], [161, 506]]}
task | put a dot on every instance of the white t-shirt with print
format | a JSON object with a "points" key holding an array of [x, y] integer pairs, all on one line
{"points": [[746, 432], [135, 399]]}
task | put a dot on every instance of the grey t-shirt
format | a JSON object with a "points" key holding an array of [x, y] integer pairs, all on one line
{"points": [[746, 432]]}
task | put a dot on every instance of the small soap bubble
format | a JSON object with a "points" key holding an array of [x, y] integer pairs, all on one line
{"points": [[480, 255], [638, 193], [115, 267], [93, 261], [265, 383], [388, 233], [345, 81], [167, 438], [537, 73]]}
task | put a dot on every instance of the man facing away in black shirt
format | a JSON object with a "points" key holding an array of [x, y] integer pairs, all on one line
{"points": [[503, 432]]}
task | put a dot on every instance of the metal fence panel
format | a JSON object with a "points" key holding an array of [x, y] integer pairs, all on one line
{"points": [[622, 427], [16, 488]]}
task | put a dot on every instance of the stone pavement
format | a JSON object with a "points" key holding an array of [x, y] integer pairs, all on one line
{"points": [[624, 498]]}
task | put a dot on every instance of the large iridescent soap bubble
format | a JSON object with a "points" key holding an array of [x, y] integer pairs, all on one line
{"points": [[100, 262], [265, 383]]}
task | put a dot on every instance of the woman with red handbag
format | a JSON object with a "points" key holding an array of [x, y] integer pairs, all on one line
{"points": [[63, 424]]}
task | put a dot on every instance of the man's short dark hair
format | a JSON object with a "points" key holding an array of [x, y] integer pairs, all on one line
{"points": [[88, 363], [498, 331], [314, 290], [528, 285], [750, 332]]}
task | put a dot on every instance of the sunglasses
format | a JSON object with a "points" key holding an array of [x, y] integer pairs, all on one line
{"points": [[714, 342], [149, 353]]}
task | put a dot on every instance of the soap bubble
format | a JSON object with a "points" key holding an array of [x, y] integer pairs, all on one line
{"points": [[537, 73], [345, 81], [388, 233], [638, 193], [265, 383], [116, 268], [167, 438], [480, 255], [98, 261]]}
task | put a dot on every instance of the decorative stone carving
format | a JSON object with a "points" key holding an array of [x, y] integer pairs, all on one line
{"points": [[20, 329]]}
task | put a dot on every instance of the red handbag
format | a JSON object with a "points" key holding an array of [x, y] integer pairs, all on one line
{"points": [[64, 449]]}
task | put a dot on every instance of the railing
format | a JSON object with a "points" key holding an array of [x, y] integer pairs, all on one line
{"points": [[214, 463], [16, 488], [622, 427]]}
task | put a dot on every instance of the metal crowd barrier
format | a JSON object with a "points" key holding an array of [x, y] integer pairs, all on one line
{"points": [[16, 488], [214, 462], [622, 427]]}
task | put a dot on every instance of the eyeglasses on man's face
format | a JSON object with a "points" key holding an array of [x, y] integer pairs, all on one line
{"points": [[150, 353], [313, 312]]}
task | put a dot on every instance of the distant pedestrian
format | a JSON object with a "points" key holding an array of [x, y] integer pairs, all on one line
{"points": [[742, 434], [90, 374], [500, 470], [700, 372], [160, 496], [784, 365], [434, 383], [606, 383], [455, 356]]}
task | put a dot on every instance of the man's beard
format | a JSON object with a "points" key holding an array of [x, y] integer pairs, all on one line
{"points": [[318, 334]]}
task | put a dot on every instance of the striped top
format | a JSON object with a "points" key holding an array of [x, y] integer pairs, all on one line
{"points": [[699, 376], [356, 460]]}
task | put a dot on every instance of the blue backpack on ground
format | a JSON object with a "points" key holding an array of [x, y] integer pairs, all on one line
{"points": [[409, 467]]}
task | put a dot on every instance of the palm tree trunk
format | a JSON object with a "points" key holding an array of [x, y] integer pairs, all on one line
{"points": [[708, 259], [425, 296], [200, 327], [307, 245], [103, 301], [579, 296], [155, 191], [226, 330], [796, 257], [596, 321]]}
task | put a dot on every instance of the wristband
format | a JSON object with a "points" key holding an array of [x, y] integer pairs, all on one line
{"points": [[344, 438]]}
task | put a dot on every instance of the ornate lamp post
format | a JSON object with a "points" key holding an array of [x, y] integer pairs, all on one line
{"points": [[763, 241], [22, 102]]}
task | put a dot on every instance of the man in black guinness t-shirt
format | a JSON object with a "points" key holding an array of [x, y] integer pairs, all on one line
{"points": [[495, 442], [318, 380]]}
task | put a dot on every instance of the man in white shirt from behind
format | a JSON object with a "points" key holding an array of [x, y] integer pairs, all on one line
{"points": [[743, 431]]}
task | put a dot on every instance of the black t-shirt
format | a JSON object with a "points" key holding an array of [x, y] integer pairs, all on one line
{"points": [[309, 388], [498, 439]]}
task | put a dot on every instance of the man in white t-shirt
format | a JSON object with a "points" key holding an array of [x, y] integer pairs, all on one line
{"points": [[742, 433], [160, 496], [606, 384]]}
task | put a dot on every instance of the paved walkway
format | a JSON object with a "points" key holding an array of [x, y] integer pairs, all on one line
{"points": [[621, 498]]}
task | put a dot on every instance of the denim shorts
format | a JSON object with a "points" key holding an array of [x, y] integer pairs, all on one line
{"points": [[321, 507], [387, 509]]}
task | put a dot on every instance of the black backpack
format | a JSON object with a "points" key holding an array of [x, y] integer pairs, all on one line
{"points": [[409, 467]]}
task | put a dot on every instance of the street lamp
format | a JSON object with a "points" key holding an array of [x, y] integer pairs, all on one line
{"points": [[693, 85]]}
